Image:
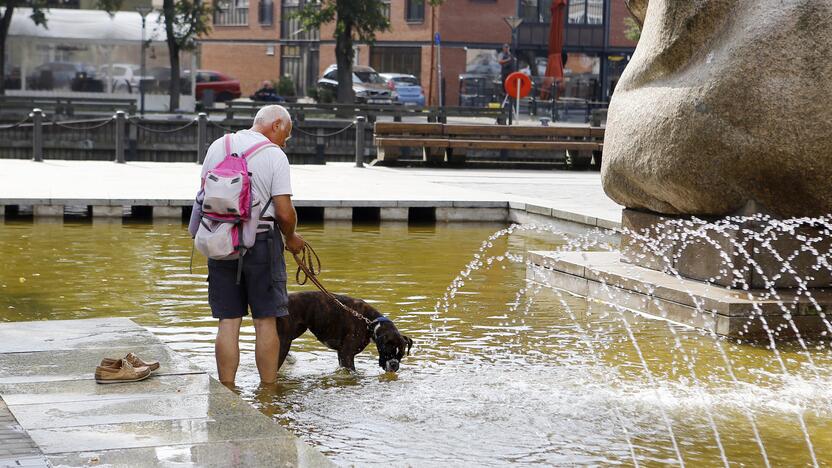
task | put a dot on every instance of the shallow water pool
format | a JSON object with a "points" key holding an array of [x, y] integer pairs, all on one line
{"points": [[509, 373]]}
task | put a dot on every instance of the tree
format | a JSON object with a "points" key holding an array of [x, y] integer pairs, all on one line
{"points": [[184, 21], [38, 16], [354, 19], [632, 29]]}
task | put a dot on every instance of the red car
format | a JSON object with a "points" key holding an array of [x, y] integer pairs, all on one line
{"points": [[225, 88]]}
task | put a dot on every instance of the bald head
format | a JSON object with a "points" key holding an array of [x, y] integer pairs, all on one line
{"points": [[274, 122]]}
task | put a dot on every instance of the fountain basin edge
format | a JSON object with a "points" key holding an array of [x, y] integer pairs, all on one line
{"points": [[602, 276]]}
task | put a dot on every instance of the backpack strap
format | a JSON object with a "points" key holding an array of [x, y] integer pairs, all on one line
{"points": [[227, 140], [255, 148]]}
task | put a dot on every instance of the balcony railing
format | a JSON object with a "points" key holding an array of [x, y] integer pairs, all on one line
{"points": [[577, 36], [234, 16]]}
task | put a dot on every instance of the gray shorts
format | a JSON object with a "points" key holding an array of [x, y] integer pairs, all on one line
{"points": [[262, 283]]}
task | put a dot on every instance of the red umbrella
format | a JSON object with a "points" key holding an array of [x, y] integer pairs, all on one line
{"points": [[554, 68]]}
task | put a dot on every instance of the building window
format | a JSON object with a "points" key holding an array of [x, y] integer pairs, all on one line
{"points": [[586, 12], [231, 13], [290, 25], [397, 60], [415, 11], [291, 63], [265, 12], [537, 11], [385, 10]]}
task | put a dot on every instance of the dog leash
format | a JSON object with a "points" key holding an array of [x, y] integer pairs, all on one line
{"points": [[309, 266]]}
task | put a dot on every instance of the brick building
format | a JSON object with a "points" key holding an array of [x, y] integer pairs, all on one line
{"points": [[255, 40]]}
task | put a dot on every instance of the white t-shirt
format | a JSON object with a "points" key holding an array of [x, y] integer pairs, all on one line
{"points": [[269, 167]]}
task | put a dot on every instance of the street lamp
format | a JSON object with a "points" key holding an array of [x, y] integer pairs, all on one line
{"points": [[143, 11], [513, 22]]}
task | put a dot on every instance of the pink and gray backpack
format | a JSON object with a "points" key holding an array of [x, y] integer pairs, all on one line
{"points": [[222, 223]]}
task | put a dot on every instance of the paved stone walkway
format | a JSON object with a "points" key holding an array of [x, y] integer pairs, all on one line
{"points": [[16, 447], [180, 416], [575, 196]]}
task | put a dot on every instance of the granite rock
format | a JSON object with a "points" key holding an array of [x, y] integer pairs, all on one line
{"points": [[725, 105]]}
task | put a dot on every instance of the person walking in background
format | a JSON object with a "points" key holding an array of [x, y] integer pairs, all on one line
{"points": [[259, 282]]}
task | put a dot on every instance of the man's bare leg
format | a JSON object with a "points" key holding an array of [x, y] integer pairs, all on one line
{"points": [[266, 348], [227, 349]]}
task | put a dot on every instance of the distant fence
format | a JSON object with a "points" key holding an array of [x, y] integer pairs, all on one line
{"points": [[122, 138]]}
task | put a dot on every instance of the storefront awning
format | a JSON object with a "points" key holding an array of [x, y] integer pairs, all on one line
{"points": [[86, 26]]}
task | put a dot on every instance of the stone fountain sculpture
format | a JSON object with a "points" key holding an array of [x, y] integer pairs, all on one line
{"points": [[725, 110], [726, 104]]}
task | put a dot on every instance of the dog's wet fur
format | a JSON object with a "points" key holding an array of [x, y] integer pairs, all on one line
{"points": [[340, 330]]}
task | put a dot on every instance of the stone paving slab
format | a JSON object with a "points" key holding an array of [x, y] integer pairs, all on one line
{"points": [[56, 335], [79, 364], [577, 195], [249, 453], [35, 393], [180, 416], [251, 426], [16, 447], [112, 411]]}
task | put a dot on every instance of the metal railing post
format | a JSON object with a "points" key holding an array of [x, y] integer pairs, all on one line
{"points": [[37, 135], [201, 137], [359, 141], [320, 146], [120, 121]]}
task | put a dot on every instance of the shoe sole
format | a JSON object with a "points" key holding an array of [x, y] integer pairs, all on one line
{"points": [[122, 380]]}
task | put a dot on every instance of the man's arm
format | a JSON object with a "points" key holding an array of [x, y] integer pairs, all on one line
{"points": [[287, 220]]}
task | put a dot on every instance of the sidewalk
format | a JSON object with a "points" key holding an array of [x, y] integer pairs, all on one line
{"points": [[180, 416], [572, 196]]}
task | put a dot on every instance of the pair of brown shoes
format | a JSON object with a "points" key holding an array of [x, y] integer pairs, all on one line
{"points": [[127, 369]]}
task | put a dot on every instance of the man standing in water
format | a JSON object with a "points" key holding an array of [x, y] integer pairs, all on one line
{"points": [[262, 285]]}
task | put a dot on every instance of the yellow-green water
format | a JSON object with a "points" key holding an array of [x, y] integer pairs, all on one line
{"points": [[551, 379]]}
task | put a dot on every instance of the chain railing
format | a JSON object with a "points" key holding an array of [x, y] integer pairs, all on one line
{"points": [[85, 136]]}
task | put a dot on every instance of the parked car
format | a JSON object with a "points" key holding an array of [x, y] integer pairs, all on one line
{"points": [[61, 75], [406, 87], [125, 76], [225, 88], [368, 85]]}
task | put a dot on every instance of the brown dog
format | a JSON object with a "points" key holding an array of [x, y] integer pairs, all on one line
{"points": [[342, 331]]}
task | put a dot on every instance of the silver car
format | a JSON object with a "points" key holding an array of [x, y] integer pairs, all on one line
{"points": [[368, 85]]}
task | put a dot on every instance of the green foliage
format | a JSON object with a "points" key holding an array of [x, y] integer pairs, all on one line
{"points": [[325, 96], [313, 93], [192, 19], [38, 16], [633, 29], [362, 17], [354, 20], [286, 87]]}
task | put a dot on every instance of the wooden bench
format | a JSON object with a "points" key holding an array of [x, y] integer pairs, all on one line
{"points": [[450, 143], [301, 111]]}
